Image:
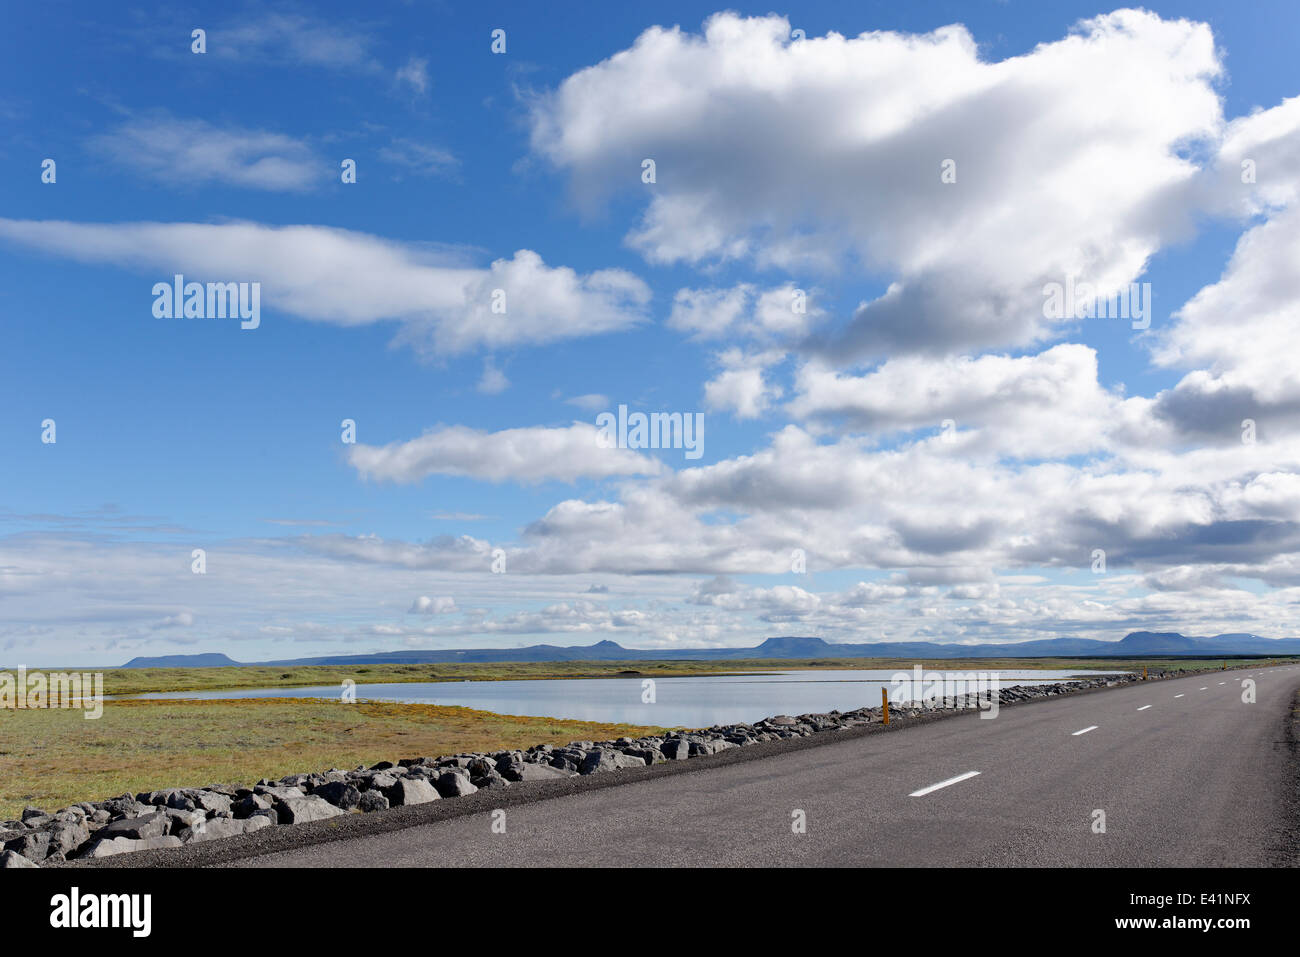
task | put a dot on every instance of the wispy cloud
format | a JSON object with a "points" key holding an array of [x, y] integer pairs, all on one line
{"points": [[525, 455], [194, 152], [414, 75], [284, 37], [422, 159], [493, 381], [591, 402]]}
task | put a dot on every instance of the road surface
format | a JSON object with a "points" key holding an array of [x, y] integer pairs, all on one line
{"points": [[1186, 773]]}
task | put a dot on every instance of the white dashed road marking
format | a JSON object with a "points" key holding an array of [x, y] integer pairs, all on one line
{"points": [[1177, 696], [943, 784], [1091, 727], [1144, 707]]}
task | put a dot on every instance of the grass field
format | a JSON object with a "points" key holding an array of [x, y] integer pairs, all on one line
{"points": [[53, 758], [138, 681]]}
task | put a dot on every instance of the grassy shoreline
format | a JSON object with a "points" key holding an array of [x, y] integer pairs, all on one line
{"points": [[52, 758], [129, 681]]}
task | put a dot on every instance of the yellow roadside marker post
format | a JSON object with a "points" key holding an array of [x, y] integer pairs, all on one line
{"points": [[884, 702], [1144, 672]]}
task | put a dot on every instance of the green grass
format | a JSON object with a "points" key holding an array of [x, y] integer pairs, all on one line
{"points": [[52, 758]]}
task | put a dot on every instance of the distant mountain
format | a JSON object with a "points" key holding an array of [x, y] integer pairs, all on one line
{"points": [[793, 648], [1170, 643], [1157, 642], [210, 660], [789, 647]]}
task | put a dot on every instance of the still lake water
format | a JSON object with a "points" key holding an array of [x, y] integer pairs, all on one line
{"points": [[697, 702]]}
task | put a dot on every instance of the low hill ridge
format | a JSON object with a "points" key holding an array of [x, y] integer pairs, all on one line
{"points": [[788, 647]]}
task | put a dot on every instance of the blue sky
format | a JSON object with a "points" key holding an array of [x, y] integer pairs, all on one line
{"points": [[177, 434]]}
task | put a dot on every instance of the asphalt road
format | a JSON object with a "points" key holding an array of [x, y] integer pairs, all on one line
{"points": [[1185, 771]]}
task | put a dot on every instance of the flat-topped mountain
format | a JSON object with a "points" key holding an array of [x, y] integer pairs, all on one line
{"points": [[207, 660], [794, 648]]}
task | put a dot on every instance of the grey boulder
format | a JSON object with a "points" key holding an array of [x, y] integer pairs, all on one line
{"points": [[340, 794], [411, 791], [648, 755], [491, 779], [378, 782], [710, 746], [212, 801], [279, 793], [604, 759], [249, 805], [532, 771], [108, 847], [180, 801], [137, 828], [124, 806], [35, 846], [66, 838], [301, 809], [676, 749], [220, 827], [155, 797], [183, 820], [480, 767], [454, 784]]}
